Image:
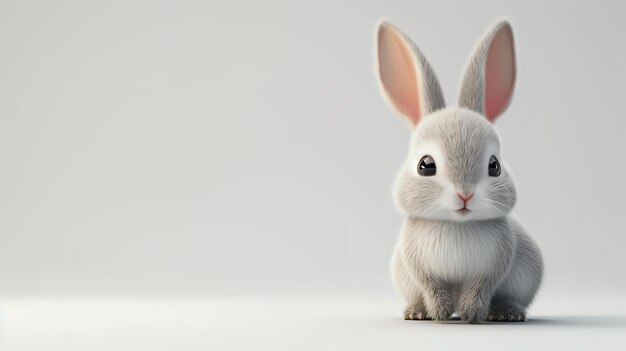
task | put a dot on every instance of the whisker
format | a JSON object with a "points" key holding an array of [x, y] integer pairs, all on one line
{"points": [[502, 204], [494, 207]]}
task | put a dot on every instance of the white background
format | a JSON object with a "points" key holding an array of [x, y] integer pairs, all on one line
{"points": [[211, 151]]}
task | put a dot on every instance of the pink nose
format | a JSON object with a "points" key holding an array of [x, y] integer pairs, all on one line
{"points": [[465, 198]]}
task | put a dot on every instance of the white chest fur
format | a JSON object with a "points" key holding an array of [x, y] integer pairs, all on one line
{"points": [[455, 251]]}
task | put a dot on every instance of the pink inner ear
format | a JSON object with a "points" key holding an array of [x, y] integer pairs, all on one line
{"points": [[397, 73], [499, 73]]}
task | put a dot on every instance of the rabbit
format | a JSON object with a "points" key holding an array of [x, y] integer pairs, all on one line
{"points": [[459, 252]]}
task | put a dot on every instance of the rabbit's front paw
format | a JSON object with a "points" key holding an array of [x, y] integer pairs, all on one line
{"points": [[474, 304], [441, 309], [473, 308], [506, 312], [474, 314]]}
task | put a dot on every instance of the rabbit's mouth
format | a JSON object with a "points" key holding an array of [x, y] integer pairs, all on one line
{"points": [[464, 210]]}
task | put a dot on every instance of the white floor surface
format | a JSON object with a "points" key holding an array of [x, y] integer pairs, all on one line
{"points": [[297, 323]]}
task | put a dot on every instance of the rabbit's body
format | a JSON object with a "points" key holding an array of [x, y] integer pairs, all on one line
{"points": [[497, 252], [459, 250], [453, 252]]}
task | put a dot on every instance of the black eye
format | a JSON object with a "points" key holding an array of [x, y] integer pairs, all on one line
{"points": [[427, 167], [494, 167]]}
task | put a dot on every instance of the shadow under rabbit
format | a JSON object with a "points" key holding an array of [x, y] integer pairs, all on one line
{"points": [[591, 321]]}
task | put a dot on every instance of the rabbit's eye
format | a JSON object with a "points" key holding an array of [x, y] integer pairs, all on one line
{"points": [[494, 167], [427, 166]]}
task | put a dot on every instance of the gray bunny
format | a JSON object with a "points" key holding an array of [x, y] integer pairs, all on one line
{"points": [[459, 249]]}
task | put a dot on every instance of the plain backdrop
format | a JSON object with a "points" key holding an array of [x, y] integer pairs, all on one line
{"points": [[243, 148]]}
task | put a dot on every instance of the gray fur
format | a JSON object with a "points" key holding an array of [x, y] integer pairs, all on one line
{"points": [[480, 263], [433, 97]]}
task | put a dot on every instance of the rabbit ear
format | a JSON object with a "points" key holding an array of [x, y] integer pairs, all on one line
{"points": [[406, 78], [489, 78]]}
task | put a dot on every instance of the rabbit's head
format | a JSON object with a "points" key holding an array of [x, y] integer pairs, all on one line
{"points": [[454, 170]]}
